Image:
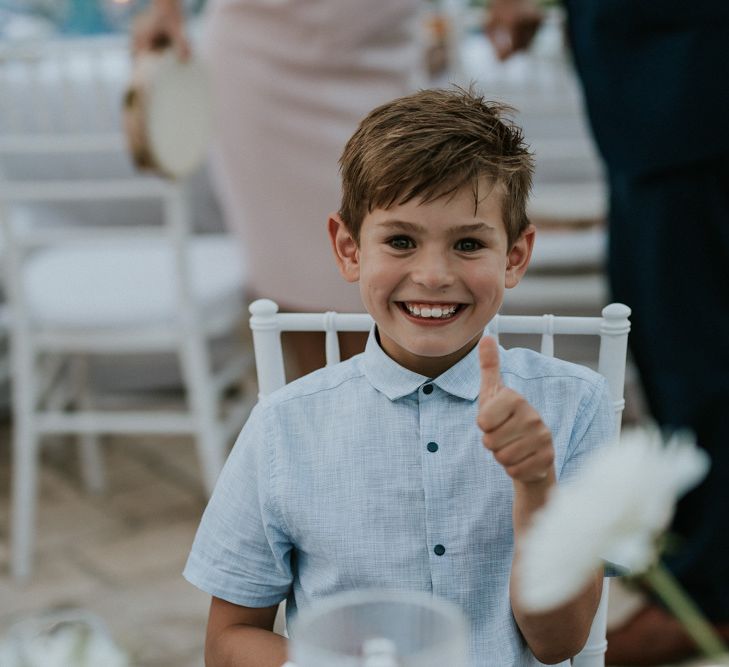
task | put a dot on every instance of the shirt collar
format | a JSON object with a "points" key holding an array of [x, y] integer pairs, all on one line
{"points": [[387, 376]]}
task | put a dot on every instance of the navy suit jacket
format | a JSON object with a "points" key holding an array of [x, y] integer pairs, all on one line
{"points": [[656, 79]]}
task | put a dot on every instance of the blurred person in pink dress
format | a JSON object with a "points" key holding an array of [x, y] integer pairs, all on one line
{"points": [[291, 81]]}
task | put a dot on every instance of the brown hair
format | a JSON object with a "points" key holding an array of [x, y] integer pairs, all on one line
{"points": [[429, 145]]}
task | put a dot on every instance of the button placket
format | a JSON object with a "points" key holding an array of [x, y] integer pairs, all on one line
{"points": [[431, 432]]}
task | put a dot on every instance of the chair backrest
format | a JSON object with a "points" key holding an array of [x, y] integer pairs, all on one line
{"points": [[65, 173], [612, 329], [61, 136], [55, 88]]}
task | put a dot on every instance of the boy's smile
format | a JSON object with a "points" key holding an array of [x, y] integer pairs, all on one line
{"points": [[433, 274]]}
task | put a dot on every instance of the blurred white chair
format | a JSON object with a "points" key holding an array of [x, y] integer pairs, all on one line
{"points": [[569, 200], [101, 260], [566, 273], [569, 207], [611, 328]]}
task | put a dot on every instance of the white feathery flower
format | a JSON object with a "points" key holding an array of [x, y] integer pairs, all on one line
{"points": [[613, 510]]}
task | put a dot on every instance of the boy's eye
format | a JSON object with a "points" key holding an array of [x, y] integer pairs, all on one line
{"points": [[468, 245], [401, 242]]}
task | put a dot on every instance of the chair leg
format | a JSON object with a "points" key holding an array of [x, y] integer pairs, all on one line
{"points": [[24, 496], [92, 465], [202, 401], [593, 653], [25, 465]]}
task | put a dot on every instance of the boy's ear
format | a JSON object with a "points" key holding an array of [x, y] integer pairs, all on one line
{"points": [[517, 260], [346, 250]]}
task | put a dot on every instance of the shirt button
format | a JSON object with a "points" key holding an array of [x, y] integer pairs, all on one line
{"points": [[432, 446], [439, 549], [428, 389]]}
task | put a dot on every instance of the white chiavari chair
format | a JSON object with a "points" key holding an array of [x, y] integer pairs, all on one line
{"points": [[611, 329], [101, 260]]}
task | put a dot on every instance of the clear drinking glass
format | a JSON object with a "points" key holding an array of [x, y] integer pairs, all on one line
{"points": [[373, 628]]}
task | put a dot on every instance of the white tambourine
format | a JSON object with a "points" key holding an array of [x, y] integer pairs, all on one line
{"points": [[167, 114]]}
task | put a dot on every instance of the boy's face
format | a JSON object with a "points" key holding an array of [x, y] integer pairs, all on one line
{"points": [[433, 274]]}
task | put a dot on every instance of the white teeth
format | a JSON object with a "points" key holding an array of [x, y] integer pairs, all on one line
{"points": [[439, 312]]}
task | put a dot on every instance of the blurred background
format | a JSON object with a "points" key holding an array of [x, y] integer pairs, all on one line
{"points": [[110, 538]]}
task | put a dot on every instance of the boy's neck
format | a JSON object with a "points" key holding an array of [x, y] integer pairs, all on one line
{"points": [[430, 367]]}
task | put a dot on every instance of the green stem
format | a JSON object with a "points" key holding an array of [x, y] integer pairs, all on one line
{"points": [[684, 609]]}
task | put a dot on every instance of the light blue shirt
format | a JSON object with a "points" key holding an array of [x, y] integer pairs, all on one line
{"points": [[366, 474]]}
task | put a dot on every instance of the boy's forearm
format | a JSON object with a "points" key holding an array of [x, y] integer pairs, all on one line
{"points": [[246, 646], [559, 634]]}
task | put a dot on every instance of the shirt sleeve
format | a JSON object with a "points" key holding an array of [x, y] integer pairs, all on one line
{"points": [[241, 552], [594, 428]]}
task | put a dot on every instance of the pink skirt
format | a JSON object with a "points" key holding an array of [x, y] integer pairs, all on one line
{"points": [[291, 80]]}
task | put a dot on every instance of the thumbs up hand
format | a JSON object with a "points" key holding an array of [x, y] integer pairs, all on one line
{"points": [[512, 429]]}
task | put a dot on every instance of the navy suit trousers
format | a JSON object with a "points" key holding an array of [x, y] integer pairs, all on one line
{"points": [[669, 261]]}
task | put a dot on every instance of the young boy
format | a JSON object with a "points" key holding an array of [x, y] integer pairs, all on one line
{"points": [[419, 463]]}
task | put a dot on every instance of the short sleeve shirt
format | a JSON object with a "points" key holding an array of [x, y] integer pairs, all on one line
{"points": [[365, 474]]}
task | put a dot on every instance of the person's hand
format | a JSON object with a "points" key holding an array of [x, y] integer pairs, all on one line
{"points": [[511, 25], [512, 429], [159, 27]]}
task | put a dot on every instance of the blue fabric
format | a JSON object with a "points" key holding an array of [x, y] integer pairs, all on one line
{"points": [[331, 486], [85, 17], [642, 60]]}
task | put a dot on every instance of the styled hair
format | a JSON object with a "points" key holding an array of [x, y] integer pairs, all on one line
{"points": [[429, 145]]}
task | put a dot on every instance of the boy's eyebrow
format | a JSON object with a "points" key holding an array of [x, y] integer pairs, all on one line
{"points": [[404, 225]]}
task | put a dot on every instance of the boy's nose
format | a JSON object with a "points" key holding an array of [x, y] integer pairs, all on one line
{"points": [[433, 273]]}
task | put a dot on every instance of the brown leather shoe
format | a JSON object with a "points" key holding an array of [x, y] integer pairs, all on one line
{"points": [[652, 637]]}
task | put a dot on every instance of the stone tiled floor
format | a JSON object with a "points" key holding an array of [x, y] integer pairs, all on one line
{"points": [[120, 554]]}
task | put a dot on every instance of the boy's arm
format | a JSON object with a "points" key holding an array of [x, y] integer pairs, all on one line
{"points": [[161, 25], [521, 442], [511, 25], [561, 633], [243, 637]]}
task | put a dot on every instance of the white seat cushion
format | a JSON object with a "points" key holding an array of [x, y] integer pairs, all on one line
{"points": [[128, 283]]}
